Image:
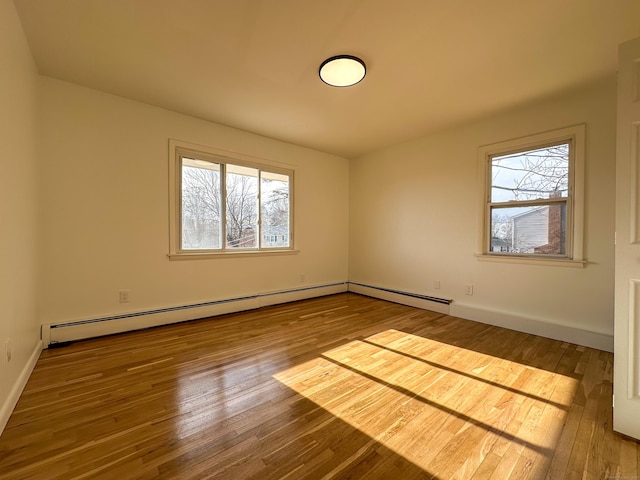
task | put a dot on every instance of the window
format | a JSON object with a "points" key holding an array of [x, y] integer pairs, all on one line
{"points": [[224, 204], [532, 196]]}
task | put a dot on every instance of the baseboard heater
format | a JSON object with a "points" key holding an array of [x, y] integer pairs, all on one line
{"points": [[428, 302], [60, 334], [444, 301], [54, 335]]}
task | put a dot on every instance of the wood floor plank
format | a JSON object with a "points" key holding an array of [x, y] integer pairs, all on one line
{"points": [[337, 387]]}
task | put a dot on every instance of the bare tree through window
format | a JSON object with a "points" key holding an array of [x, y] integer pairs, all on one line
{"points": [[201, 205], [255, 212]]}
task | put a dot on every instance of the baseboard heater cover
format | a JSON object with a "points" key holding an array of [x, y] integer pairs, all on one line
{"points": [[445, 301], [58, 334], [427, 302]]}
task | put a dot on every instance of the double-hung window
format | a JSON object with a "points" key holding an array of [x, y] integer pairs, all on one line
{"points": [[221, 204], [532, 196]]}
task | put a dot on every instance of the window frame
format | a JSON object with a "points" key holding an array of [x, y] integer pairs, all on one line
{"points": [[574, 201], [179, 149]]}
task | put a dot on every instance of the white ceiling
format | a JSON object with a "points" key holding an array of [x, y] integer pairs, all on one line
{"points": [[253, 64]]}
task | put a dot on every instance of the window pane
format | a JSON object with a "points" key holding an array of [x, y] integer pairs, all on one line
{"points": [[534, 174], [242, 207], [201, 226], [274, 194], [539, 230]]}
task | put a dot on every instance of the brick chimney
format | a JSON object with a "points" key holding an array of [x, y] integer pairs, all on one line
{"points": [[556, 232]]}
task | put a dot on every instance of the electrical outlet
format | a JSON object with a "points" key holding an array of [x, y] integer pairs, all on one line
{"points": [[125, 296], [436, 284], [468, 290]]}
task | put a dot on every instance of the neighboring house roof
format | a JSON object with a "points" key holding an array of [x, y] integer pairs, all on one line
{"points": [[528, 213]]}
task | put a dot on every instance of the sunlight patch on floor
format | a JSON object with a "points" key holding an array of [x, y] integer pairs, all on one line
{"points": [[429, 401]]}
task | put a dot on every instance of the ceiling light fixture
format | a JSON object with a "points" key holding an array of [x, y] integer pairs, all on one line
{"points": [[342, 71]]}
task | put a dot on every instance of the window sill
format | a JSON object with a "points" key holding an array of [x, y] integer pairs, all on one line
{"points": [[549, 262], [245, 254]]}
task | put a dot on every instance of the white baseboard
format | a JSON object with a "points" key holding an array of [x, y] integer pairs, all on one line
{"points": [[404, 298], [498, 318], [14, 395], [535, 326], [97, 327]]}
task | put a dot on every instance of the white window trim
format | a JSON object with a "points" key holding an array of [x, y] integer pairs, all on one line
{"points": [[177, 147], [575, 134]]}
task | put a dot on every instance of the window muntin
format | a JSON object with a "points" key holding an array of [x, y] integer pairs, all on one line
{"points": [[228, 205], [533, 196]]}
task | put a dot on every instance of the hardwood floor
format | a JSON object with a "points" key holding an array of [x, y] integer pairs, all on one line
{"points": [[332, 388]]}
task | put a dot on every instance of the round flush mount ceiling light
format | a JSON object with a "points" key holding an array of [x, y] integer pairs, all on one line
{"points": [[342, 70]]}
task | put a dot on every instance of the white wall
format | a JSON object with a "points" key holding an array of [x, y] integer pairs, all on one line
{"points": [[414, 209], [18, 210], [105, 210]]}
